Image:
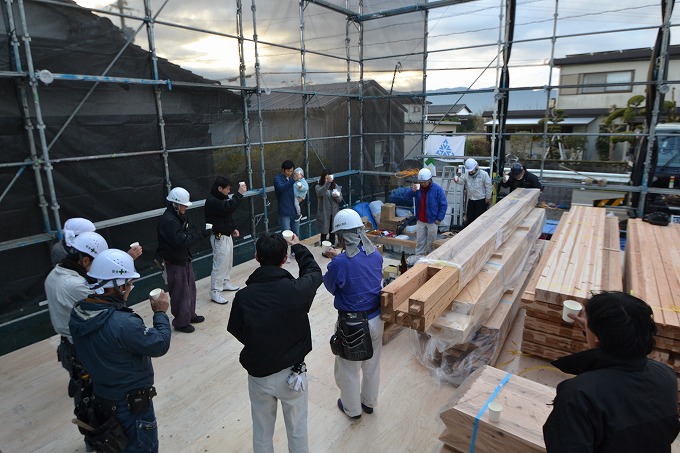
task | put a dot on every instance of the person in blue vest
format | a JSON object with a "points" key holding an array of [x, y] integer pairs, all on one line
{"points": [[431, 208]]}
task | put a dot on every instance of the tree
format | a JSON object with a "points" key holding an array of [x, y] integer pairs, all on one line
{"points": [[555, 150], [625, 121]]}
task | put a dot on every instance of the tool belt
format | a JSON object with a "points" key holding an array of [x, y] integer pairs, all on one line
{"points": [[79, 378], [352, 338], [96, 419]]}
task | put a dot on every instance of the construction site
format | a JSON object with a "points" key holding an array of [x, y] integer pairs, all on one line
{"points": [[106, 107]]}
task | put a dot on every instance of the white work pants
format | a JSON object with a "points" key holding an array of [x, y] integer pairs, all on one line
{"points": [[264, 393], [426, 233], [223, 257], [353, 389]]}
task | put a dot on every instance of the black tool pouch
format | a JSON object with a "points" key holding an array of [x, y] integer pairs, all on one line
{"points": [[336, 344], [140, 400], [102, 430], [355, 337]]}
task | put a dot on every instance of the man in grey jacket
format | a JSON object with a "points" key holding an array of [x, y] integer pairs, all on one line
{"points": [[477, 184]]}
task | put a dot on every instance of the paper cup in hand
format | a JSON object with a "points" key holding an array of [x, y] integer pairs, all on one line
{"points": [[208, 226], [330, 177], [495, 410], [417, 186], [155, 293], [134, 244], [570, 306], [287, 235], [326, 244], [241, 184]]}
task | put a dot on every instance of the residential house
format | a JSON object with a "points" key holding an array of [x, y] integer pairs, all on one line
{"points": [[599, 82]]}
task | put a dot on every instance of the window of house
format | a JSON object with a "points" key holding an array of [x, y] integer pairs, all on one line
{"points": [[601, 78], [379, 153]]}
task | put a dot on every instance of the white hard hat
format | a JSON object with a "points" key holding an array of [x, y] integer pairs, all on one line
{"points": [[75, 226], [347, 219], [180, 196], [112, 265], [424, 174], [91, 243], [470, 164]]}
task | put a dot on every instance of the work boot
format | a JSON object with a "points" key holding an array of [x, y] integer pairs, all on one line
{"points": [[216, 297]]}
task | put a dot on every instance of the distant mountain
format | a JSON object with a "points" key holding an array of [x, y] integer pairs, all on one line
{"points": [[478, 102]]}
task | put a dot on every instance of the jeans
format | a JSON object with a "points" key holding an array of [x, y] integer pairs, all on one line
{"points": [[141, 429], [289, 223]]}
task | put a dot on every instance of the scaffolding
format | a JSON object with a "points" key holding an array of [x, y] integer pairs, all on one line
{"points": [[109, 120]]}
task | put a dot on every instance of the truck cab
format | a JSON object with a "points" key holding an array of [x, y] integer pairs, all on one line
{"points": [[667, 166]]}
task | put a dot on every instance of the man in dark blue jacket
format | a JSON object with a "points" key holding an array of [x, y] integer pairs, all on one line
{"points": [[431, 208], [283, 186], [116, 348], [270, 318]]}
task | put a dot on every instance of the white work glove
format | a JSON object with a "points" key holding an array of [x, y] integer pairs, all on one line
{"points": [[296, 382]]}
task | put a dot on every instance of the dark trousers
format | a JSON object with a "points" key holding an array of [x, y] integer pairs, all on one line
{"points": [[182, 288], [331, 236], [475, 208]]}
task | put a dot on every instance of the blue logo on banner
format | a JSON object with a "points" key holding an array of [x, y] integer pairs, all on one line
{"points": [[444, 149]]}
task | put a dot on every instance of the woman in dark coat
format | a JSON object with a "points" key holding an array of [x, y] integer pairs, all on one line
{"points": [[330, 199]]}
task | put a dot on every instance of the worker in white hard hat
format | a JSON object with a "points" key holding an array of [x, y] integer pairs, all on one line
{"points": [[65, 285], [354, 277], [176, 234], [116, 347], [72, 228], [478, 187], [431, 206]]}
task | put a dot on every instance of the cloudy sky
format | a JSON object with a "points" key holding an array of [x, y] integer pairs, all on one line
{"points": [[462, 39]]}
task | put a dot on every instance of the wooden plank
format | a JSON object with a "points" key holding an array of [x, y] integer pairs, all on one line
{"points": [[525, 410], [568, 345], [399, 290], [473, 246], [439, 286]]}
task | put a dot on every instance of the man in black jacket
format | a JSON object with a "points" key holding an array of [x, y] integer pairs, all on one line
{"points": [[270, 318], [175, 235], [620, 401], [218, 210], [522, 178]]}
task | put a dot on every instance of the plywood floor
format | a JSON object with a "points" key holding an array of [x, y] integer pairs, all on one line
{"points": [[202, 403]]}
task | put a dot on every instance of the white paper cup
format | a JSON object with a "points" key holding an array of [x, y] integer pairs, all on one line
{"points": [[495, 410], [287, 235], [417, 186], [570, 306], [134, 244], [330, 177], [326, 244], [299, 185], [155, 293], [208, 226], [242, 183]]}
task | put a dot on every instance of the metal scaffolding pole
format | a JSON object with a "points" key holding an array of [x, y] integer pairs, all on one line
{"points": [[303, 83], [28, 123], [149, 21], [548, 102], [348, 51], [423, 100], [38, 116], [258, 94], [495, 145], [246, 117], [362, 151]]}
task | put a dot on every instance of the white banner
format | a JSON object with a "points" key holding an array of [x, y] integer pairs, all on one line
{"points": [[445, 146]]}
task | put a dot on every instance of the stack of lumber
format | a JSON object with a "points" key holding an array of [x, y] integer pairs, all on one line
{"points": [[421, 294], [388, 219], [475, 302], [458, 361], [583, 256], [652, 273], [520, 429]]}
